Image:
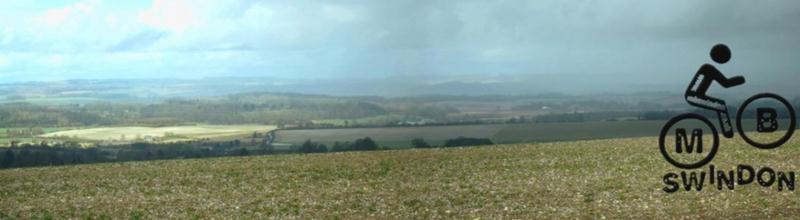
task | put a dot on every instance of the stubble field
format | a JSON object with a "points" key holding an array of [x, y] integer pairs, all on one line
{"points": [[613, 178]]}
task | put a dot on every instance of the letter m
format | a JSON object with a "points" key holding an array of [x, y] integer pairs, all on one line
{"points": [[695, 144]]}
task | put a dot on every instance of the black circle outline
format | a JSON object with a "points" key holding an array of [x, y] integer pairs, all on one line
{"points": [[774, 144], [673, 121]]}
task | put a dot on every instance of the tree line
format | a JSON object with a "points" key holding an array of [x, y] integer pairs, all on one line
{"points": [[362, 144], [455, 142], [44, 155]]}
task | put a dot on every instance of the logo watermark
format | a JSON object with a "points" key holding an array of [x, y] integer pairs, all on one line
{"points": [[685, 139]]}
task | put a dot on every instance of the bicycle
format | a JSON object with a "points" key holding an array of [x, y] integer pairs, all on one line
{"points": [[725, 124]]}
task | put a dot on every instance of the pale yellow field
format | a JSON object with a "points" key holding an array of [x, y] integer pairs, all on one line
{"points": [[177, 132]]}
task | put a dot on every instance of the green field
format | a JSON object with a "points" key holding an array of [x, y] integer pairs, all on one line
{"points": [[389, 136], [612, 178], [5, 140], [499, 133], [171, 133]]}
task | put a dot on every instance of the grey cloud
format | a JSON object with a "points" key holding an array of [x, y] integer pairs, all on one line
{"points": [[643, 40]]}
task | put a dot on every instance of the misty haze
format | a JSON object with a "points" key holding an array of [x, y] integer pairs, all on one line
{"points": [[164, 109]]}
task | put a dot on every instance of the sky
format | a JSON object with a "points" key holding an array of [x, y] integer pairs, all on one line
{"points": [[609, 40]]}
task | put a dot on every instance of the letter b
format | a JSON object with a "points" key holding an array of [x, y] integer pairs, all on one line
{"points": [[765, 117]]}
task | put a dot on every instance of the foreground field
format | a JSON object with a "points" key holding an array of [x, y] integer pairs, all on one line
{"points": [[614, 178], [171, 133]]}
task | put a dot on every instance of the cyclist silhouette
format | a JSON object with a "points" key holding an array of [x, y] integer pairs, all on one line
{"points": [[696, 96], [696, 92]]}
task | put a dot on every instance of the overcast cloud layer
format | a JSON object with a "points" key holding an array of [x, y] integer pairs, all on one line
{"points": [[641, 40]]}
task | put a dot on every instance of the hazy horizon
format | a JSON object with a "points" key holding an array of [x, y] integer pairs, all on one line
{"points": [[574, 45]]}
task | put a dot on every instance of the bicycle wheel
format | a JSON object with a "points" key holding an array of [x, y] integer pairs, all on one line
{"points": [[685, 117], [774, 144]]}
